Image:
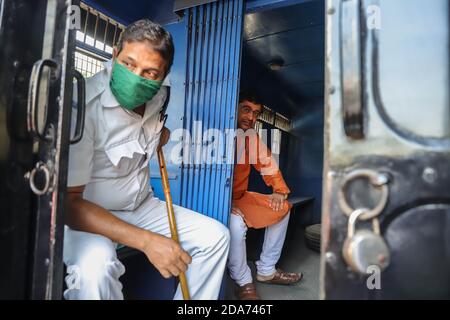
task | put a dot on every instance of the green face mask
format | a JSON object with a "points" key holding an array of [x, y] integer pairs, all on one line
{"points": [[131, 90]]}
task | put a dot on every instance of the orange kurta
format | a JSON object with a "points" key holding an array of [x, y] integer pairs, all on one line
{"points": [[255, 207]]}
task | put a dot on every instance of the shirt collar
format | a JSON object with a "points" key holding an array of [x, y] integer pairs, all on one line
{"points": [[108, 99]]}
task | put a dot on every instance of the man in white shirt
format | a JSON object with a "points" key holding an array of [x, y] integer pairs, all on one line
{"points": [[110, 200]]}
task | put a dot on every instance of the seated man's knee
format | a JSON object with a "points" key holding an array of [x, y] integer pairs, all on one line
{"points": [[222, 234], [215, 233], [95, 265], [238, 228]]}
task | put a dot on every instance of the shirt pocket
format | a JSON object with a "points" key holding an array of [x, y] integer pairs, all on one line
{"points": [[126, 156]]}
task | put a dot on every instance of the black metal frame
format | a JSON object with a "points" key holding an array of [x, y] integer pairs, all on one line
{"points": [[20, 49], [47, 268], [34, 165]]}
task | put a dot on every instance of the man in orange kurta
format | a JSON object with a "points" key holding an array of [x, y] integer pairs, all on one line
{"points": [[255, 210]]}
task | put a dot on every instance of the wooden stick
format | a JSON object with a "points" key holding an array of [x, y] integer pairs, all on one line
{"points": [[171, 214]]}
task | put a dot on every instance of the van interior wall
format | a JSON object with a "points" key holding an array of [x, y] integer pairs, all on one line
{"points": [[304, 164]]}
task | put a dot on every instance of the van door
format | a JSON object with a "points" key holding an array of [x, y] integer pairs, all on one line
{"points": [[213, 51], [35, 94], [387, 150]]}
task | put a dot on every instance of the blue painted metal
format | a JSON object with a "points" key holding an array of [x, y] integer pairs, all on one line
{"points": [[277, 45], [259, 5], [304, 175], [283, 19], [175, 112], [212, 82], [294, 34]]}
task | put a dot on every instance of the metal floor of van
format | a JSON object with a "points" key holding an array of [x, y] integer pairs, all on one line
{"points": [[296, 257]]}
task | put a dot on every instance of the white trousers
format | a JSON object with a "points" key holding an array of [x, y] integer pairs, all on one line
{"points": [[94, 270], [271, 251]]}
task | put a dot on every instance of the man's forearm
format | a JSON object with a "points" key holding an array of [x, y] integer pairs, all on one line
{"points": [[89, 217]]}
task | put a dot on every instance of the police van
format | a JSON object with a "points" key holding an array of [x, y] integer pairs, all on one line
{"points": [[356, 109]]}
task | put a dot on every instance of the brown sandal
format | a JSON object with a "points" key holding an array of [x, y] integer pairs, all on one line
{"points": [[281, 277]]}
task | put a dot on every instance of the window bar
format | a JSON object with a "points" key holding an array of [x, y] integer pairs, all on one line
{"points": [[85, 24], [115, 34], [95, 32], [106, 32]]}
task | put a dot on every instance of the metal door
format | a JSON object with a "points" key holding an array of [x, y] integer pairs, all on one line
{"points": [[387, 144], [212, 83], [35, 94]]}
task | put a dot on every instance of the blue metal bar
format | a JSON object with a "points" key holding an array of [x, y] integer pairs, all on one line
{"points": [[196, 108], [216, 115], [213, 104], [207, 111], [234, 103], [229, 26], [184, 176], [203, 107], [190, 88], [223, 103]]}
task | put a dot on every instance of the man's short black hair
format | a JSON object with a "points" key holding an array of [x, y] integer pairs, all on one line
{"points": [[146, 30], [250, 96]]}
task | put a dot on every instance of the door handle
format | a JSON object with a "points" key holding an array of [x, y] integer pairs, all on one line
{"points": [[351, 73], [378, 180], [33, 97], [81, 106], [48, 178]]}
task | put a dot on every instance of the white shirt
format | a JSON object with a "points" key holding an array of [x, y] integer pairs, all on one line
{"points": [[111, 159]]}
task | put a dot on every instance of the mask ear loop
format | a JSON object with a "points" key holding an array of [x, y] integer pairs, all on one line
{"points": [[164, 107], [164, 118]]}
